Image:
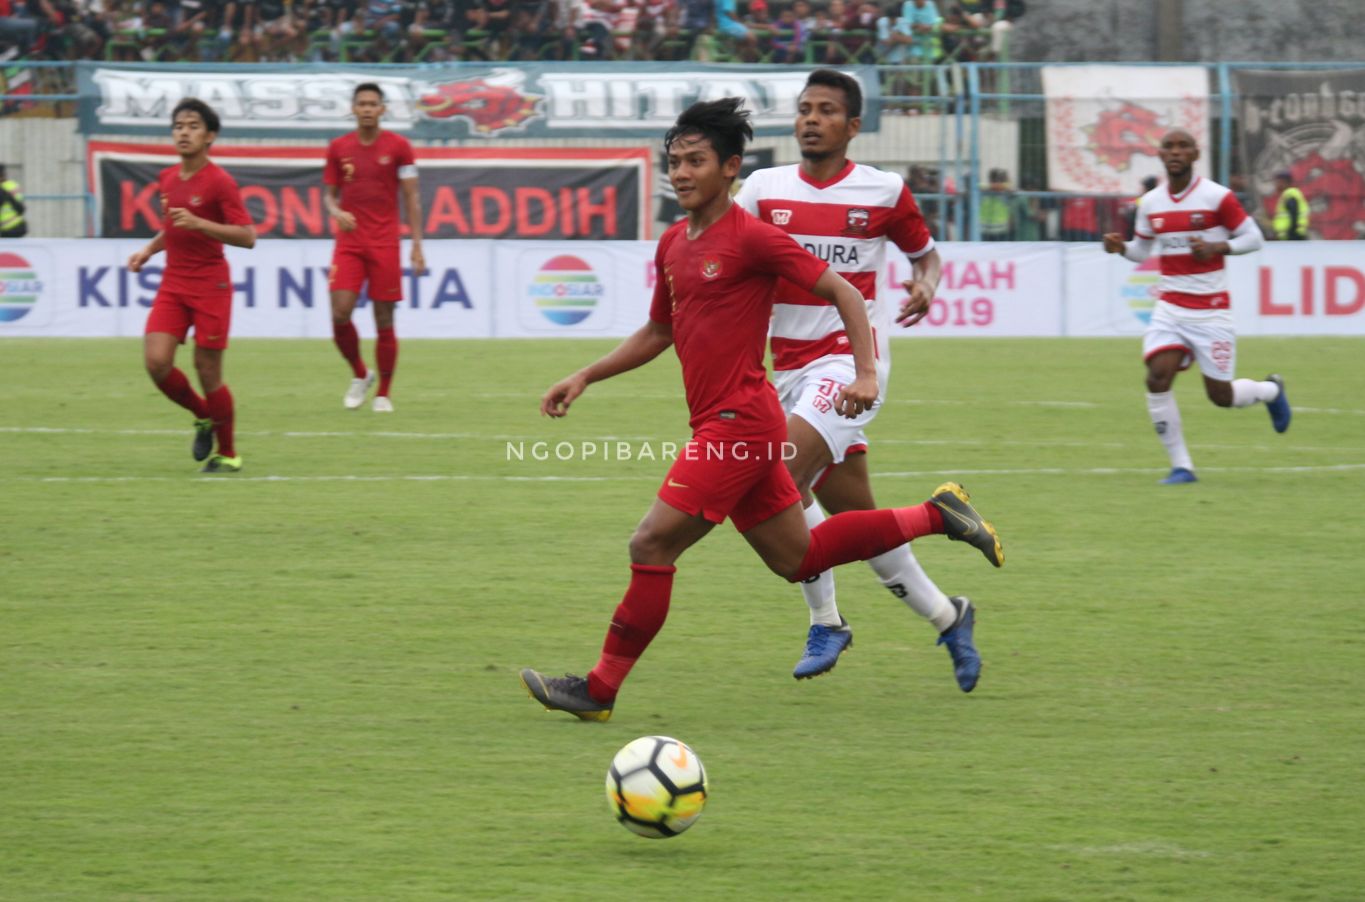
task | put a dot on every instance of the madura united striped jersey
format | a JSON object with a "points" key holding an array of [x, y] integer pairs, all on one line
{"points": [[1205, 209], [846, 222]]}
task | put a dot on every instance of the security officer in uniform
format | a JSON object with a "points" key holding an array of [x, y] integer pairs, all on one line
{"points": [[12, 223], [1291, 210]]}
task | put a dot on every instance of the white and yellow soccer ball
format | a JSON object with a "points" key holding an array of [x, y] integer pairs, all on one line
{"points": [[656, 786]]}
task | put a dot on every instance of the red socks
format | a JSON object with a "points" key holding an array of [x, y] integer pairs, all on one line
{"points": [[347, 341], [220, 408], [178, 389], [859, 535], [638, 618], [386, 358]]}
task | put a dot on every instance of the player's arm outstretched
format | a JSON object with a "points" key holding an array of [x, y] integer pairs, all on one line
{"points": [[860, 394], [648, 342], [154, 247]]}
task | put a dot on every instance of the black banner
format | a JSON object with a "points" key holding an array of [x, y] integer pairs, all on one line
{"points": [[1311, 123], [552, 196]]}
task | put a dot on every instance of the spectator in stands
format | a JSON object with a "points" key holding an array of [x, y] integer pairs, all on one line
{"points": [[789, 37], [924, 21], [924, 185], [18, 25], [730, 27], [955, 35], [893, 38]]}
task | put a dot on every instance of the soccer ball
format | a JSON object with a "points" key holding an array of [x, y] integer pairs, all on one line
{"points": [[656, 787]]}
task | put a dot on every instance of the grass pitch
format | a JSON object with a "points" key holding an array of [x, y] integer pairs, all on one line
{"points": [[299, 683]]}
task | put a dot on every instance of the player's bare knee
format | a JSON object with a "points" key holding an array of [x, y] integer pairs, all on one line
{"points": [[158, 368], [1158, 383], [647, 546]]}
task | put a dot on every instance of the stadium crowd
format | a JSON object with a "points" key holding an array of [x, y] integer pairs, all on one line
{"points": [[408, 31]]}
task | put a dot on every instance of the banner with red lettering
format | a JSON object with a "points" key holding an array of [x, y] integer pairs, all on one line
{"points": [[578, 194], [1287, 288]]}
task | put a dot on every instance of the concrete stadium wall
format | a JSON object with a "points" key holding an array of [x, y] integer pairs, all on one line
{"points": [[1203, 30]]}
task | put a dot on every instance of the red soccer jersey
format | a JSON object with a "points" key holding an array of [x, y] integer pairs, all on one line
{"points": [[717, 292], [368, 177], [193, 258]]}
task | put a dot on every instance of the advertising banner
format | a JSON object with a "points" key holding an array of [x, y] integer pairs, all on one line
{"points": [[988, 289], [82, 288], [539, 289], [1287, 288], [454, 100], [1104, 123], [591, 194], [1310, 123]]}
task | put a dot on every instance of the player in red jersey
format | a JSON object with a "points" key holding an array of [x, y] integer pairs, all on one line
{"points": [[848, 213], [717, 271], [203, 211], [364, 171]]}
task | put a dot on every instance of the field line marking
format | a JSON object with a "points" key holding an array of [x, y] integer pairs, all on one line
{"points": [[676, 438], [488, 477]]}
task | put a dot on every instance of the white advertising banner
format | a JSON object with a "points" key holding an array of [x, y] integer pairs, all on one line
{"points": [[988, 289], [1287, 288], [547, 289], [532, 289], [1104, 123], [82, 287]]}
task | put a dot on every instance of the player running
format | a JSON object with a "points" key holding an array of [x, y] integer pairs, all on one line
{"points": [[845, 213], [1193, 223], [364, 172], [202, 211], [717, 271]]}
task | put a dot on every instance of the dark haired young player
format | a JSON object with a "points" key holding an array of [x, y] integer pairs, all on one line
{"points": [[203, 211], [364, 172], [717, 271]]}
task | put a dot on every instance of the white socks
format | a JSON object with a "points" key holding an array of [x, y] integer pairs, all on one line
{"points": [[1246, 392], [1166, 418], [819, 590], [899, 572], [905, 578]]}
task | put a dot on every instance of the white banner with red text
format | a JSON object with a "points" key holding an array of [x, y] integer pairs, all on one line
{"points": [[536, 289]]}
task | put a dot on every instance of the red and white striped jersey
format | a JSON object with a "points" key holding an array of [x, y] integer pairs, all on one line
{"points": [[1204, 209], [846, 222]]}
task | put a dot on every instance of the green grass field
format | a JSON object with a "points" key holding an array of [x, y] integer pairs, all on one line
{"points": [[299, 683]]}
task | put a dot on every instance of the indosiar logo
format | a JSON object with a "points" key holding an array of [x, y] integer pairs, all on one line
{"points": [[20, 287], [566, 290], [1139, 290]]}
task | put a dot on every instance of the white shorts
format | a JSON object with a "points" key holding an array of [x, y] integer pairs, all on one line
{"points": [[1204, 335], [809, 394]]}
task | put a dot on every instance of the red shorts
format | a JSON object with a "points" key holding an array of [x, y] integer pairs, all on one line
{"points": [[720, 476], [381, 267], [209, 311]]}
